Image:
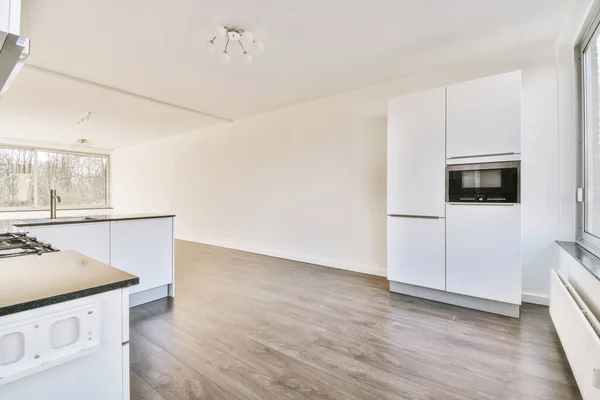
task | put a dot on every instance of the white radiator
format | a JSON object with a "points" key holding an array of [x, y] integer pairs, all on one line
{"points": [[578, 330]]}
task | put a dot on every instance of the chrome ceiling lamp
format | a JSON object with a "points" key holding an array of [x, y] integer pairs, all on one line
{"points": [[235, 35], [83, 142]]}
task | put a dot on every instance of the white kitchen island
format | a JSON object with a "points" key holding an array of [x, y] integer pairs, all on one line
{"points": [[64, 328], [140, 244]]}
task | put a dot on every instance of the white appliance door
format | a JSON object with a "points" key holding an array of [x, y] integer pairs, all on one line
{"points": [[416, 154], [416, 251], [484, 116], [483, 251]]}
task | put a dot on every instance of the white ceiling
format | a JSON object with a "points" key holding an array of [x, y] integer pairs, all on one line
{"points": [[313, 48], [45, 108], [103, 51]]}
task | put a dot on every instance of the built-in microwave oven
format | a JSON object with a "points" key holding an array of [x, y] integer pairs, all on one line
{"points": [[497, 182]]}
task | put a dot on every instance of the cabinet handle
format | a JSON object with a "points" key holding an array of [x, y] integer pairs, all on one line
{"points": [[414, 216], [482, 155]]}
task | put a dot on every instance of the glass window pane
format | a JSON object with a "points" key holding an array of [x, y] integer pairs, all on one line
{"points": [[80, 180], [16, 178], [591, 105]]}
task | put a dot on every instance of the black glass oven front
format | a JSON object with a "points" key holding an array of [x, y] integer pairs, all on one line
{"points": [[483, 183]]}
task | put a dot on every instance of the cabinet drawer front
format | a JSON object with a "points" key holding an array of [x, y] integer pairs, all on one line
{"points": [[416, 251], [483, 251]]}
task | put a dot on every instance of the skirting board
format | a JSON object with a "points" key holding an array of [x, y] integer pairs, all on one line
{"points": [[495, 307], [535, 299], [294, 257], [147, 296]]}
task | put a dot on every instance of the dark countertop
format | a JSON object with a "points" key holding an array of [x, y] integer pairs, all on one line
{"points": [[84, 219], [34, 281], [584, 257]]}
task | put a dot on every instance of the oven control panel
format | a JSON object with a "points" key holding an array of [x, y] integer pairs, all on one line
{"points": [[481, 198]]}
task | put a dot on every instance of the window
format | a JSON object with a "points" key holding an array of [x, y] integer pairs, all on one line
{"points": [[589, 221], [27, 175]]}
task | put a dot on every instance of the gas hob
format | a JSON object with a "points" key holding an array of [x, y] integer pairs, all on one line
{"points": [[22, 244]]}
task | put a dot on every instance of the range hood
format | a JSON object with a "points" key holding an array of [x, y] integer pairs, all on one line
{"points": [[14, 50]]}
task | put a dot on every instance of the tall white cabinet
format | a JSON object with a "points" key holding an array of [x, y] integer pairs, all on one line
{"points": [[469, 255], [416, 154]]}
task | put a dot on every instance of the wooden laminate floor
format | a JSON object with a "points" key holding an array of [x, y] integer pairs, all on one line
{"points": [[245, 326]]}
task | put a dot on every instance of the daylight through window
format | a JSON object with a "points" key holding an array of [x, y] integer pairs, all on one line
{"points": [[27, 175]]}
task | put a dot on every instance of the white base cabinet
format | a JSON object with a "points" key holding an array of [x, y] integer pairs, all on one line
{"points": [[416, 251], [483, 251], [68, 372], [91, 239], [143, 248]]}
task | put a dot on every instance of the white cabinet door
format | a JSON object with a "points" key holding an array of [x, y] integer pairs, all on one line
{"points": [[484, 116], [143, 248], [91, 238], [483, 251], [416, 154], [416, 251]]}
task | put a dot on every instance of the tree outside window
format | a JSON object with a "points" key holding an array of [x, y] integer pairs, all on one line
{"points": [[26, 177]]}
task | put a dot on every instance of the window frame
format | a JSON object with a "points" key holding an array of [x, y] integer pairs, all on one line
{"points": [[35, 173], [590, 27]]}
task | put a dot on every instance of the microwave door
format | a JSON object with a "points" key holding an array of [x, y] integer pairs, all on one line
{"points": [[483, 183]]}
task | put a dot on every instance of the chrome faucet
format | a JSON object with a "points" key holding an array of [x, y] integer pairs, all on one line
{"points": [[53, 200]]}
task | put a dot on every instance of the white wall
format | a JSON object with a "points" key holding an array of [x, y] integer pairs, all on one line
{"points": [[308, 182], [539, 183]]}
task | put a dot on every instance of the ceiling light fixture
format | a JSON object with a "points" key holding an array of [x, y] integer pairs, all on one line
{"points": [[234, 35], [83, 142], [84, 117]]}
